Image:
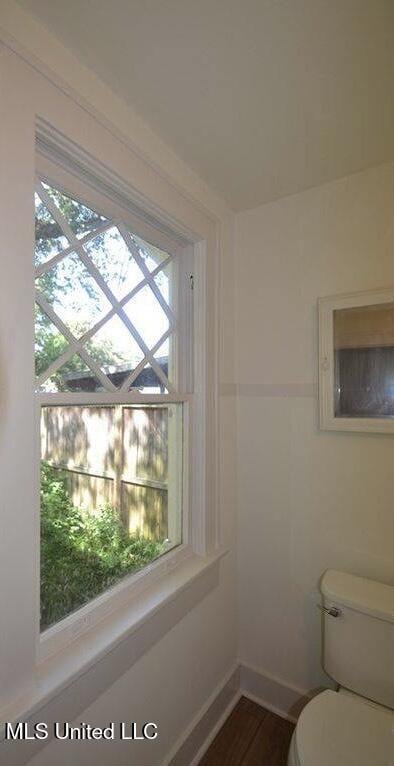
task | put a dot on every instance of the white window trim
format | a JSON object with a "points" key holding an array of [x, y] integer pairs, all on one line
{"points": [[52, 167]]}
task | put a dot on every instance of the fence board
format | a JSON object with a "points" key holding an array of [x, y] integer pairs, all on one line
{"points": [[79, 437], [145, 511], [102, 449], [145, 443], [89, 492]]}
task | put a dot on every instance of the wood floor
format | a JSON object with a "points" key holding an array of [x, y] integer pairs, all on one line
{"points": [[251, 736]]}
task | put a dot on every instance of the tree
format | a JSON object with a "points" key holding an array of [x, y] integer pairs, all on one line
{"points": [[57, 285], [49, 234], [69, 286], [50, 344]]}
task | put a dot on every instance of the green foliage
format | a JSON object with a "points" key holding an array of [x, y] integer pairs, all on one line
{"points": [[74, 295], [49, 234], [63, 285], [81, 554], [50, 343]]}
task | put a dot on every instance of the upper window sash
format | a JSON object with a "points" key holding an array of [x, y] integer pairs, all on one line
{"points": [[175, 263]]}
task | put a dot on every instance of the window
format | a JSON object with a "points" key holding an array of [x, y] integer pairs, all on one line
{"points": [[111, 326], [79, 154]]}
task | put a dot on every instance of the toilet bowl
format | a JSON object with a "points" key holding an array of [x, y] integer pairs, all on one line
{"points": [[337, 730], [355, 725]]}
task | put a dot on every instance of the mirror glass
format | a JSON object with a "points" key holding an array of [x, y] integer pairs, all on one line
{"points": [[364, 361]]}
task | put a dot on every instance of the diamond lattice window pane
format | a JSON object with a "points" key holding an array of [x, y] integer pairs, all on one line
{"points": [[49, 342], [115, 350], [73, 294], [151, 255], [50, 239], [164, 358], [81, 219], [115, 262], [74, 375], [164, 281], [147, 316], [148, 382]]}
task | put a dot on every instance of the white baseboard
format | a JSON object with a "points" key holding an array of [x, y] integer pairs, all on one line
{"points": [[242, 680], [273, 693], [191, 746], [223, 718]]}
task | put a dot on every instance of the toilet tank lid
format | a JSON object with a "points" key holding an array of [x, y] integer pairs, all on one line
{"points": [[359, 593]]}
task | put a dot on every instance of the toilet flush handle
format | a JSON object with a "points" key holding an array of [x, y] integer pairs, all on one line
{"points": [[333, 611]]}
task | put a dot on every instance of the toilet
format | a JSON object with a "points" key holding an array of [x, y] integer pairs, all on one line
{"points": [[353, 726]]}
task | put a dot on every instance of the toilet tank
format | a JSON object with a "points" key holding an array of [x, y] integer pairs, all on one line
{"points": [[358, 643]]}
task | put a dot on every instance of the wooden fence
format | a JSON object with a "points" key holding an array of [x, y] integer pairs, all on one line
{"points": [[113, 454]]}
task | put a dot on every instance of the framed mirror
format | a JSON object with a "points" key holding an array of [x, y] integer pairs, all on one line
{"points": [[356, 362]]}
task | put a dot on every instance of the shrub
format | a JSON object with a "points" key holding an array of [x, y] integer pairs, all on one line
{"points": [[81, 554]]}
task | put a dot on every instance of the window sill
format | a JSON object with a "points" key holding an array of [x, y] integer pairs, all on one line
{"points": [[126, 634], [58, 637]]}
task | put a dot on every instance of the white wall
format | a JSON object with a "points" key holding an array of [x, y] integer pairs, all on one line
{"points": [[307, 499], [168, 685]]}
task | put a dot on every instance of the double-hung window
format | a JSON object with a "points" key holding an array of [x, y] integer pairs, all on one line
{"points": [[113, 351], [111, 444]]}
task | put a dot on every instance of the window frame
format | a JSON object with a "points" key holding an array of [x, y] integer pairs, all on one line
{"points": [[190, 258]]}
